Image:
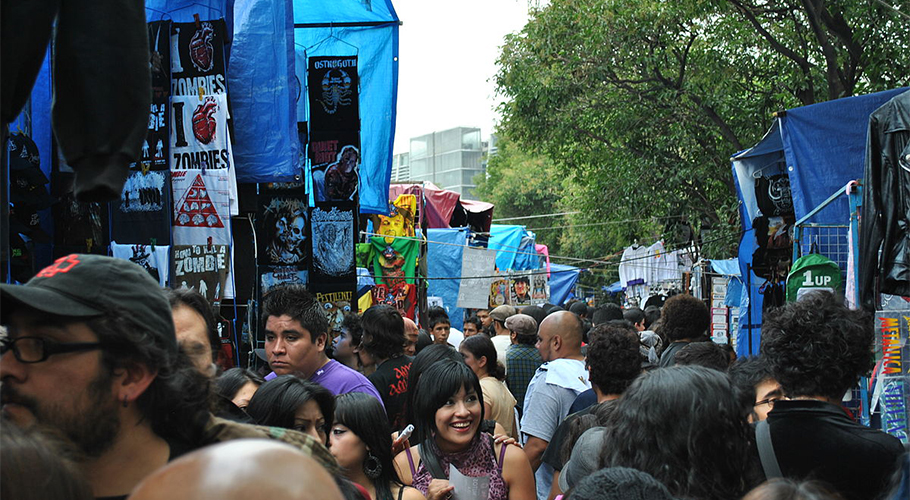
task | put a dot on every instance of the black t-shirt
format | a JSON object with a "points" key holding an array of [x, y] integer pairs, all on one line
{"points": [[391, 380], [817, 440]]}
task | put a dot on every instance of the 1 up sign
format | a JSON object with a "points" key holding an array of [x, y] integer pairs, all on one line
{"points": [[810, 273]]}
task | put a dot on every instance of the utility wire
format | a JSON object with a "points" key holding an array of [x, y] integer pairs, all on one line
{"points": [[535, 216]]}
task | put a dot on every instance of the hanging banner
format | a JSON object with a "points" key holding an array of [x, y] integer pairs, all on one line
{"points": [[540, 288], [333, 91], [332, 235], [892, 385], [283, 231], [203, 268], [335, 304], [520, 290], [197, 58], [394, 262], [155, 149], [402, 296], [202, 173], [500, 293], [474, 293], [154, 259]]}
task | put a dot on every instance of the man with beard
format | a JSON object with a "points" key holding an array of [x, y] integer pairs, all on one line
{"points": [[91, 353]]}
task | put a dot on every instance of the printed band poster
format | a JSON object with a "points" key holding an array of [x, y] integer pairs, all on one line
{"points": [[892, 388], [333, 91], [203, 268], [154, 259], [332, 236], [202, 172], [540, 288], [499, 292], [335, 304], [473, 291], [402, 296], [283, 231], [272, 276], [520, 288]]}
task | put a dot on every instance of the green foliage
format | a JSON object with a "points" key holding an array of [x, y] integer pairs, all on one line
{"points": [[638, 106]]}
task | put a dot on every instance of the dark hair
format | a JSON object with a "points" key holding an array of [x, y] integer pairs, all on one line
{"points": [[277, 400], [606, 312], [706, 455], [365, 417], [619, 483], [633, 315], [684, 317], [817, 346], [443, 379], [789, 489], [38, 466], [296, 302], [613, 359], [422, 361], [579, 307], [436, 315], [598, 417], [384, 328], [612, 324], [483, 347], [525, 339], [231, 381], [176, 402], [474, 320], [652, 314], [706, 354], [195, 301], [746, 373], [354, 326], [535, 312]]}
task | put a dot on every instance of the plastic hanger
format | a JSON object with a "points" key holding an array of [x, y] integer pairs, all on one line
{"points": [[331, 36], [756, 174]]}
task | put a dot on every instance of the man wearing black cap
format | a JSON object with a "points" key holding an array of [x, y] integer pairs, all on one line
{"points": [[91, 353]]}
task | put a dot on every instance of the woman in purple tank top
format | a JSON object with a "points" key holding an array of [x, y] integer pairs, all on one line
{"points": [[448, 411]]}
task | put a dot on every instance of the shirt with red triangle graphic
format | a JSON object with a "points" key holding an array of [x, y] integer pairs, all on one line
{"points": [[196, 209]]}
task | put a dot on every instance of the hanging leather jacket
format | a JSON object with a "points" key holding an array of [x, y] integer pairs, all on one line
{"points": [[885, 224]]}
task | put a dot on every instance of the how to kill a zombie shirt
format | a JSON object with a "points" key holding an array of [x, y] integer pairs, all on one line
{"points": [[203, 268], [333, 90]]}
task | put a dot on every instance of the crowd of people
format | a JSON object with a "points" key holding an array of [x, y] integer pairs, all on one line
{"points": [[110, 389]]}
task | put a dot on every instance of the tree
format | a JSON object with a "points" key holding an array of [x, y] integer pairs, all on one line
{"points": [[643, 103]]}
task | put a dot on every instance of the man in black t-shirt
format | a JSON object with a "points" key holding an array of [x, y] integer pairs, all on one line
{"points": [[383, 341]]}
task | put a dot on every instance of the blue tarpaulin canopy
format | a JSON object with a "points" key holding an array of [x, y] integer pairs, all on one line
{"points": [[444, 251], [562, 280], [821, 147]]}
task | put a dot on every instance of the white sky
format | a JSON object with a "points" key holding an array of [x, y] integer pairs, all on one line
{"points": [[448, 54]]}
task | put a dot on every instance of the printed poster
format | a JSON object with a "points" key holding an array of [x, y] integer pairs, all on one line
{"points": [[474, 293], [202, 172], [272, 276], [500, 292], [520, 289], [203, 268], [332, 236], [283, 231], [335, 304], [891, 393], [540, 288], [402, 296], [154, 259]]}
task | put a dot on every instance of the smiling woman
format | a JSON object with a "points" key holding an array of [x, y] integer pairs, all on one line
{"points": [[448, 411]]}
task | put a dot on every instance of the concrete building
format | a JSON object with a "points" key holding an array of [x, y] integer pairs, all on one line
{"points": [[401, 169], [448, 158]]}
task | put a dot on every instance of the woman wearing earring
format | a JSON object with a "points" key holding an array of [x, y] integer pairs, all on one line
{"points": [[361, 442], [498, 403], [448, 410]]}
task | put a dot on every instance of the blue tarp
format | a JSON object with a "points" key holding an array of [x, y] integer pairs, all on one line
{"points": [[821, 147], [444, 250], [562, 280], [614, 288], [506, 240]]}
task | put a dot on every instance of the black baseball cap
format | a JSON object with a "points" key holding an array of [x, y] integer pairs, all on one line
{"points": [[87, 286]]}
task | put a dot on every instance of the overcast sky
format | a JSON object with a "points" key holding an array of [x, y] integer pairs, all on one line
{"points": [[448, 54]]}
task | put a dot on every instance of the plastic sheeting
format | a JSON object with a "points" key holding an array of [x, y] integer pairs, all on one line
{"points": [[444, 249], [562, 280], [506, 240], [440, 204]]}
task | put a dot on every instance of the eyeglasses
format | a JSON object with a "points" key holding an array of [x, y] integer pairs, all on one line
{"points": [[769, 402], [37, 349]]}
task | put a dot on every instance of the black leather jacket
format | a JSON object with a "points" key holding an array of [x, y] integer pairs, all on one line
{"points": [[885, 224]]}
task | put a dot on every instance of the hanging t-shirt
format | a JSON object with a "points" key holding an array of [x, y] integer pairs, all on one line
{"points": [[394, 262], [153, 259], [402, 296], [400, 221], [203, 268], [632, 265], [333, 227]]}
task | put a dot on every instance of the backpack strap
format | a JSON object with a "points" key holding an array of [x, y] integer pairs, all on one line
{"points": [[766, 450], [431, 461]]}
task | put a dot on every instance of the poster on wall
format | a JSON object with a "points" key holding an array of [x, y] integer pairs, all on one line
{"points": [[202, 172], [499, 292], [474, 292], [333, 91], [520, 290], [283, 231], [332, 237], [154, 259], [203, 268], [402, 296], [540, 288]]}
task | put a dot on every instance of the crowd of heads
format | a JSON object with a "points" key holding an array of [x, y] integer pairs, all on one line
{"points": [[133, 368]]}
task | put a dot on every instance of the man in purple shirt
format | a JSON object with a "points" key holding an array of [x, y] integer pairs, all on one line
{"points": [[296, 332]]}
